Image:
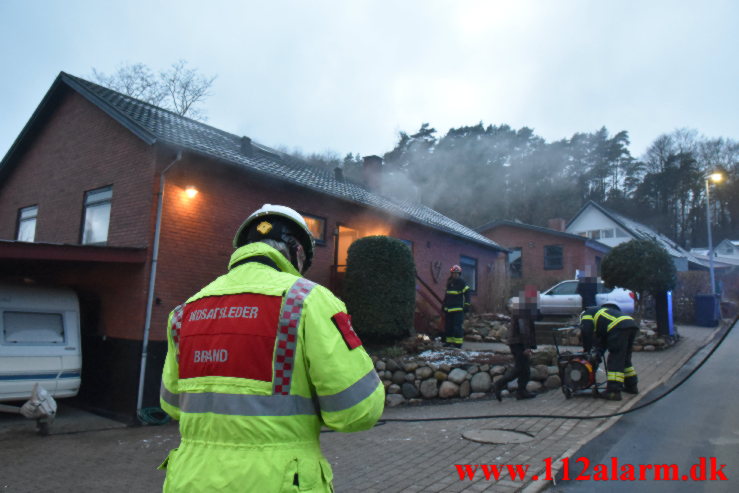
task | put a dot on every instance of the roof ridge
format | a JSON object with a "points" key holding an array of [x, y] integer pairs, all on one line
{"points": [[153, 123], [158, 108]]}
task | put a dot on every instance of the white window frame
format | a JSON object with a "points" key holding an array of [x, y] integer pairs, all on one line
{"points": [[94, 200], [26, 216]]}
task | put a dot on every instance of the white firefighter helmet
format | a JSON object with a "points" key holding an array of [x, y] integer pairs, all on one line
{"points": [[272, 222]]}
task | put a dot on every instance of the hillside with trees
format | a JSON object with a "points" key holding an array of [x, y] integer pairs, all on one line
{"points": [[476, 174]]}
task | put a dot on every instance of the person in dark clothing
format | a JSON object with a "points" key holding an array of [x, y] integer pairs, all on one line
{"points": [[456, 304], [587, 287], [608, 329], [521, 340]]}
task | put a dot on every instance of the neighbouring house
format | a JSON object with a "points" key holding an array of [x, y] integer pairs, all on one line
{"points": [[544, 256], [726, 266], [598, 223], [727, 248], [135, 208], [726, 252]]}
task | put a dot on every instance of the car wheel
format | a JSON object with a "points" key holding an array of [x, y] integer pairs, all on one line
{"points": [[611, 306]]}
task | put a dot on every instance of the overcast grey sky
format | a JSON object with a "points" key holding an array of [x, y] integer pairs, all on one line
{"points": [[348, 75]]}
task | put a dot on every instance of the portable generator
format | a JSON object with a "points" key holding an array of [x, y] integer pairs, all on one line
{"points": [[577, 371]]}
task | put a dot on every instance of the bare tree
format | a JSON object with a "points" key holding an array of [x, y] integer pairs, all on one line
{"points": [[136, 80], [179, 89]]}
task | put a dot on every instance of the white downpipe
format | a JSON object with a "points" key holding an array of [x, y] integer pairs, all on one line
{"points": [[152, 280]]}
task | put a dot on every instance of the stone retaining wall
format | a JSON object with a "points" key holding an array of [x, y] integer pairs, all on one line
{"points": [[415, 381]]}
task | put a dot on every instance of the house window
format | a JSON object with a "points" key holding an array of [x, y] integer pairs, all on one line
{"points": [[607, 233], [594, 234], [469, 271], [317, 227], [97, 216], [27, 223], [515, 262], [552, 257]]}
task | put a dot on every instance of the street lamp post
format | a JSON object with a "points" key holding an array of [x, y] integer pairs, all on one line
{"points": [[716, 178]]}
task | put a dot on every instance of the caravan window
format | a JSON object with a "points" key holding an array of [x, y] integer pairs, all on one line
{"points": [[32, 328]]}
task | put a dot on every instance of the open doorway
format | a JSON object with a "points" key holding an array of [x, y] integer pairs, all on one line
{"points": [[344, 239]]}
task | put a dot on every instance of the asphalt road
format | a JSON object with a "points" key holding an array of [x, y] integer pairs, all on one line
{"points": [[700, 419]]}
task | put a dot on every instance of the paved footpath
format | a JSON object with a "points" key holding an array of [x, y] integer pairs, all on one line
{"points": [[89, 453]]}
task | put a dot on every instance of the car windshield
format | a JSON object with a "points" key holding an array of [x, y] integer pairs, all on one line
{"points": [[564, 288]]}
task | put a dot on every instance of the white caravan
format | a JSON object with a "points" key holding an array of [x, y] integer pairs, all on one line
{"points": [[39, 341]]}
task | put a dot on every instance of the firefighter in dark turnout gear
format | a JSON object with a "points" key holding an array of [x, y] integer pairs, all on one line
{"points": [[608, 329], [456, 304]]}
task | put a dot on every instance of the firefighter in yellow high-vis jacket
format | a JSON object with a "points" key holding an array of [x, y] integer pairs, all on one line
{"points": [[257, 362]]}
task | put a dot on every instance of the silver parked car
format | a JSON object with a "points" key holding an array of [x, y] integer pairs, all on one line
{"points": [[562, 299]]}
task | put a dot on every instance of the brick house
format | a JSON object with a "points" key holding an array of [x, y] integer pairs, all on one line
{"points": [[544, 256], [135, 208]]}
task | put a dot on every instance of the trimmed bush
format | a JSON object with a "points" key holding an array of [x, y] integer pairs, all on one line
{"points": [[380, 288], [641, 266]]}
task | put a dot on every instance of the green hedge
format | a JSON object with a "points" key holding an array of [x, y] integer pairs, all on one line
{"points": [[380, 288]]}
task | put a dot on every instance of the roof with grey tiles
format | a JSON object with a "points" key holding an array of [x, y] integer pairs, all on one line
{"points": [[155, 124], [540, 229], [640, 231]]}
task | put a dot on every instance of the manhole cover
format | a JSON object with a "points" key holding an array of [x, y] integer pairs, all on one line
{"points": [[497, 436]]}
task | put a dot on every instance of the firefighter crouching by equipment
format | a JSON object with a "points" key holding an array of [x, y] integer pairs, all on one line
{"points": [[456, 304], [257, 362], [608, 329]]}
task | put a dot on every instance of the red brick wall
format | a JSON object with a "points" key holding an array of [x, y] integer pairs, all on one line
{"points": [[80, 148], [576, 255], [197, 233]]}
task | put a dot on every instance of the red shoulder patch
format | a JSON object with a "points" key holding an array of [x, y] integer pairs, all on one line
{"points": [[343, 322]]}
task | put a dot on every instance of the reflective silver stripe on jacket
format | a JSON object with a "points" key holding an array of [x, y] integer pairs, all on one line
{"points": [[351, 396], [287, 335], [239, 404], [271, 405], [169, 397]]}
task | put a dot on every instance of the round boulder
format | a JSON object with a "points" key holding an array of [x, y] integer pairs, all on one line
{"points": [[448, 390], [480, 382], [464, 389], [392, 400], [409, 391], [398, 377], [553, 382], [533, 386], [457, 376], [429, 388]]}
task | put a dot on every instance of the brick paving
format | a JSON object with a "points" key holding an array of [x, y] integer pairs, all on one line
{"points": [[89, 453], [420, 456]]}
